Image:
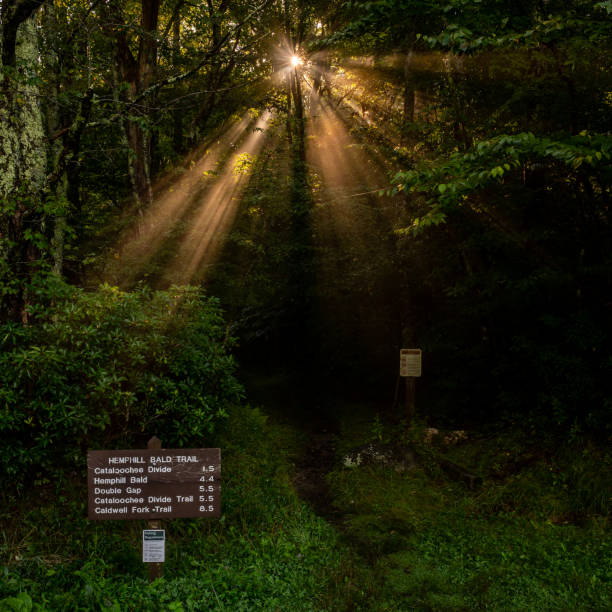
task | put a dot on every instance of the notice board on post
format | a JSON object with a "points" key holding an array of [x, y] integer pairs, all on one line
{"points": [[410, 363], [154, 484]]}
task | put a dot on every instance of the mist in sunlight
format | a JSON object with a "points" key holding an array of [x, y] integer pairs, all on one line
{"points": [[140, 242], [216, 212]]}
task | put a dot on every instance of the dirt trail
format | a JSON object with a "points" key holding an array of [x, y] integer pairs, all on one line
{"points": [[312, 468]]}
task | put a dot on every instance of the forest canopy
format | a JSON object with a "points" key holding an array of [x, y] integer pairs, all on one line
{"points": [[489, 119]]}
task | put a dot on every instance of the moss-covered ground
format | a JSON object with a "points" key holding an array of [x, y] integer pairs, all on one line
{"points": [[534, 536]]}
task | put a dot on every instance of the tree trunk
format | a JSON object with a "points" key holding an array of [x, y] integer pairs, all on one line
{"points": [[460, 129], [55, 150], [409, 89], [124, 135], [289, 106], [178, 112], [22, 157], [138, 73], [22, 150], [298, 104]]}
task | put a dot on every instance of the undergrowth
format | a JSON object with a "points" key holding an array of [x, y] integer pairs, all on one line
{"points": [[106, 369], [534, 536], [267, 552]]}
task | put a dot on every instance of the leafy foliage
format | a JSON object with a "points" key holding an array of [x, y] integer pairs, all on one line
{"points": [[472, 26], [489, 162], [110, 368]]}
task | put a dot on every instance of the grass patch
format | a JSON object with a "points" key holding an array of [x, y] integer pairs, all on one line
{"points": [[268, 551], [428, 543]]}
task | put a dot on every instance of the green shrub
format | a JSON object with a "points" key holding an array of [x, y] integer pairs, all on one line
{"points": [[108, 369]]}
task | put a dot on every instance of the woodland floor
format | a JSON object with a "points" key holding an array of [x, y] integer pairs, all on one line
{"points": [[423, 540]]}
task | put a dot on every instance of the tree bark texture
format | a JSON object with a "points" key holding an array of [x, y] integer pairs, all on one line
{"points": [[178, 112], [22, 144], [23, 160]]}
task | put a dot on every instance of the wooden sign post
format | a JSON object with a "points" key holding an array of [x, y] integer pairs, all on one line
{"points": [[156, 569], [154, 484], [410, 369]]}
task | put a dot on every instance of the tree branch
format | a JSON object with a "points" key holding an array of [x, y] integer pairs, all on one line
{"points": [[185, 75], [14, 13], [175, 15]]}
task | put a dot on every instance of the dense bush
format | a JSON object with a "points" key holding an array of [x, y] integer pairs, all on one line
{"points": [[108, 369]]}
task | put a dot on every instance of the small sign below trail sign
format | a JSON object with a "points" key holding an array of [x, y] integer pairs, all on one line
{"points": [[154, 484], [153, 545], [410, 362]]}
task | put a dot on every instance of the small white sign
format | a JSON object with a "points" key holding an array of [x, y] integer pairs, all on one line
{"points": [[153, 545], [410, 362]]}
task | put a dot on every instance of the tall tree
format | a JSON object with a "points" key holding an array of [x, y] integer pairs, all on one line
{"points": [[136, 72], [22, 151]]}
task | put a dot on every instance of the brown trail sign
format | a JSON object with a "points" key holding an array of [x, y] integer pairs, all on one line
{"points": [[154, 484]]}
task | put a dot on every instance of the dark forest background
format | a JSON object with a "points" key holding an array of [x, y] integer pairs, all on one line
{"points": [[426, 173]]}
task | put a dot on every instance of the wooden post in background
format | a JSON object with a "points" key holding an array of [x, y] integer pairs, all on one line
{"points": [[410, 398], [155, 569]]}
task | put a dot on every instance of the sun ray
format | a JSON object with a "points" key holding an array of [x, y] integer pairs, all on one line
{"points": [[342, 159], [141, 241], [215, 214], [352, 226]]}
